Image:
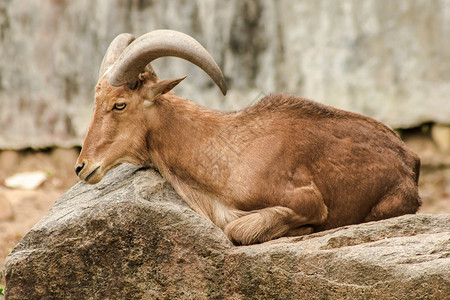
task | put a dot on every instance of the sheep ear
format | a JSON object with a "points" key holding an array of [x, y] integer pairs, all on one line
{"points": [[164, 86]]}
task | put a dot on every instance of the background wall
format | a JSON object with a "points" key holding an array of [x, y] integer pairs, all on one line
{"points": [[387, 59]]}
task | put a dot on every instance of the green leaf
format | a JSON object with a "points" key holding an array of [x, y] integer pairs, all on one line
{"points": [[2, 290]]}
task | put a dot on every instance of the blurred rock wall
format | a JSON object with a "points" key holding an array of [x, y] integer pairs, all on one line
{"points": [[387, 59]]}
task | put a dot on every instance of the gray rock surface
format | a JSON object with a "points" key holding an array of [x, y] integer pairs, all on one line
{"points": [[132, 237], [387, 59]]}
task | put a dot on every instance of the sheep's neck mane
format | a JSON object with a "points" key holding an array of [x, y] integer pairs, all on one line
{"points": [[182, 140]]}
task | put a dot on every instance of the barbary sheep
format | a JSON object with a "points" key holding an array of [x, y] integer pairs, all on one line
{"points": [[285, 166]]}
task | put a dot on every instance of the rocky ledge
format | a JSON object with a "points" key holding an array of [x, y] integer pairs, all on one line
{"points": [[132, 237]]}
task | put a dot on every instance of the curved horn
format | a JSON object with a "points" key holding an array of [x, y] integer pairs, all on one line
{"points": [[157, 44], [114, 50]]}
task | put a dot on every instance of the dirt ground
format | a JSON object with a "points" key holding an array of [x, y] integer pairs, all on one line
{"points": [[20, 209]]}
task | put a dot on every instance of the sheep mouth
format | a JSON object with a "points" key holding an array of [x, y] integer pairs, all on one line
{"points": [[91, 174]]}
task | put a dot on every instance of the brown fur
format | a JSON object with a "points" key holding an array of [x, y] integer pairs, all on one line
{"points": [[284, 166]]}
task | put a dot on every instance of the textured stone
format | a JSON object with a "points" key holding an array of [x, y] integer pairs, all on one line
{"points": [[132, 237], [387, 59], [441, 136]]}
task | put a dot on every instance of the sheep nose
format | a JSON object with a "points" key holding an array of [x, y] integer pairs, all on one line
{"points": [[79, 168]]}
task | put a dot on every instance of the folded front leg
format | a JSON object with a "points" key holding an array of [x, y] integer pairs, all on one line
{"points": [[264, 224]]}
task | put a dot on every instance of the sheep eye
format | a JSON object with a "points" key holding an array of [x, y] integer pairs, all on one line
{"points": [[119, 106]]}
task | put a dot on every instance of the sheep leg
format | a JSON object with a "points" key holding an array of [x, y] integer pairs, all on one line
{"points": [[302, 230], [265, 224], [403, 201]]}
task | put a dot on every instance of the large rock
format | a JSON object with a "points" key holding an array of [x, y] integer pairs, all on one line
{"points": [[132, 237], [388, 59]]}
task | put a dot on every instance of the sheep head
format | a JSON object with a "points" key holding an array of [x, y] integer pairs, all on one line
{"points": [[124, 112]]}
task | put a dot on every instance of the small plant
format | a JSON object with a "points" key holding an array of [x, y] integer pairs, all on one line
{"points": [[2, 290]]}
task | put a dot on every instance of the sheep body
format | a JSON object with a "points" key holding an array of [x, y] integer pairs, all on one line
{"points": [[282, 167]]}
